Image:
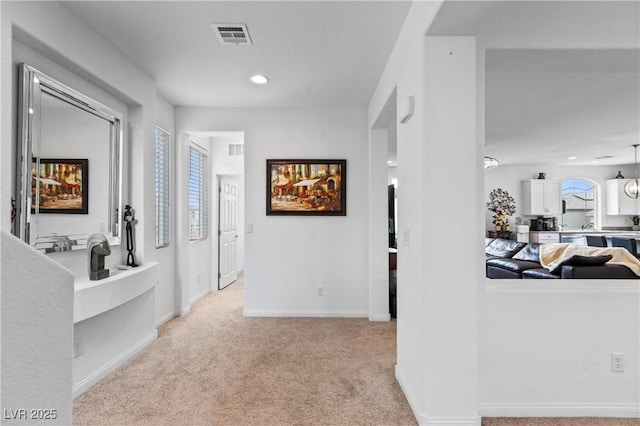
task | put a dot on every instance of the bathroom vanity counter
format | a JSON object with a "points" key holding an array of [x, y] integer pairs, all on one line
{"points": [[96, 297]]}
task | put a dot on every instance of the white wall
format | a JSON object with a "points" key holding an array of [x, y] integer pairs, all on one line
{"points": [[53, 39], [547, 351], [287, 257], [69, 50], [37, 324], [436, 300]]}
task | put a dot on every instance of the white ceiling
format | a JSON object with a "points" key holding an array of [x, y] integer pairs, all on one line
{"points": [[541, 106], [315, 53], [544, 106]]}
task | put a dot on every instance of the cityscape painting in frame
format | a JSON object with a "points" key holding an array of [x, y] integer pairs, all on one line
{"points": [[307, 187], [63, 186]]}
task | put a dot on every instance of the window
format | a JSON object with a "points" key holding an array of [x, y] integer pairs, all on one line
{"points": [[579, 197], [198, 194], [162, 188]]}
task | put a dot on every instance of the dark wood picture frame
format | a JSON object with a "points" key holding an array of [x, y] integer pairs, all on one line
{"points": [[64, 185], [315, 187]]}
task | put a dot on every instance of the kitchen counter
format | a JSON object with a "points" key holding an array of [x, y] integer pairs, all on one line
{"points": [[577, 236], [591, 232], [599, 232]]}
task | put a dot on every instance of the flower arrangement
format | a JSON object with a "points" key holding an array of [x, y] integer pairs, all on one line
{"points": [[502, 205]]}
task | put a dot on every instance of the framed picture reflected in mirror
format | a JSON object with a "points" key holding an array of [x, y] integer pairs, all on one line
{"points": [[60, 185]]}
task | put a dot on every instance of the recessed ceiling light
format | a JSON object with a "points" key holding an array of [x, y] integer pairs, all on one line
{"points": [[259, 79], [572, 158]]}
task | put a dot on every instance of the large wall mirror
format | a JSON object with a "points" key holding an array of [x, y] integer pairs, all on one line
{"points": [[69, 168]]}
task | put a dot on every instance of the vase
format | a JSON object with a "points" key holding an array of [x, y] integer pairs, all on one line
{"points": [[504, 234]]}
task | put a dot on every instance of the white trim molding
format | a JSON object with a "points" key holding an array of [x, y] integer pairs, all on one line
{"points": [[380, 317], [451, 421], [197, 297], [165, 318], [113, 365], [569, 409], [432, 421], [304, 314], [407, 393]]}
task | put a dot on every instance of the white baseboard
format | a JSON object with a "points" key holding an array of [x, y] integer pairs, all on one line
{"points": [[305, 314], [165, 318], [627, 410], [198, 297], [380, 317], [113, 365], [451, 421], [185, 310], [432, 421], [407, 394]]}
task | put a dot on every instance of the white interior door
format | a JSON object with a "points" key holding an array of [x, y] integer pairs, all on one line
{"points": [[227, 232]]}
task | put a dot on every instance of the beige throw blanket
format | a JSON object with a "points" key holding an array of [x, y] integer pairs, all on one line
{"points": [[551, 254]]}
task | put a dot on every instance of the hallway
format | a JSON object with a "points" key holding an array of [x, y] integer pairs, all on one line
{"points": [[216, 367]]}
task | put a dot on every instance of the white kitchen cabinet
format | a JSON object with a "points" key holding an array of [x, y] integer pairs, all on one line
{"points": [[541, 197], [617, 202]]}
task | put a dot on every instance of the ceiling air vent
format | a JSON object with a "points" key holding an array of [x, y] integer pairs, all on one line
{"points": [[232, 33]]}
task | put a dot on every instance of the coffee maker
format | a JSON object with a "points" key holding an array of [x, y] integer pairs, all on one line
{"points": [[544, 224]]}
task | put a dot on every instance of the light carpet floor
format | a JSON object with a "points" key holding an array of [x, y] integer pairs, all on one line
{"points": [[215, 367]]}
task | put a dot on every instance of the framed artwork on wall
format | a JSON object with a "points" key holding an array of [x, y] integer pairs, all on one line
{"points": [[60, 185], [307, 187]]}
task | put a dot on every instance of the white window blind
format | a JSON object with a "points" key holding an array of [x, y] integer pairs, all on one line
{"points": [[198, 194], [162, 187]]}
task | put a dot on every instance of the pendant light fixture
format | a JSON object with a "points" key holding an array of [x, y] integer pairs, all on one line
{"points": [[632, 188], [490, 162]]}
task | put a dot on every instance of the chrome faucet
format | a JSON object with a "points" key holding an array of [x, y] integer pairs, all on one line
{"points": [[589, 225], [97, 249]]}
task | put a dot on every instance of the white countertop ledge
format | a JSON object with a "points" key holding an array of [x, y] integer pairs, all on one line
{"points": [[96, 297]]}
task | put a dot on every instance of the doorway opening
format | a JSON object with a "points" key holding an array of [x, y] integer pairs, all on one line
{"points": [[228, 168], [228, 231], [383, 208]]}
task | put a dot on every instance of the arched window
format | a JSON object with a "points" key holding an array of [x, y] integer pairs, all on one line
{"points": [[580, 204]]}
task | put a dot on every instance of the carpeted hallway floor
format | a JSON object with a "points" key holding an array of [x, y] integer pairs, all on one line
{"points": [[214, 367]]}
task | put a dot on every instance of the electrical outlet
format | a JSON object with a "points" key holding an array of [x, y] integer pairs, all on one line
{"points": [[320, 290], [199, 277], [617, 362]]}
